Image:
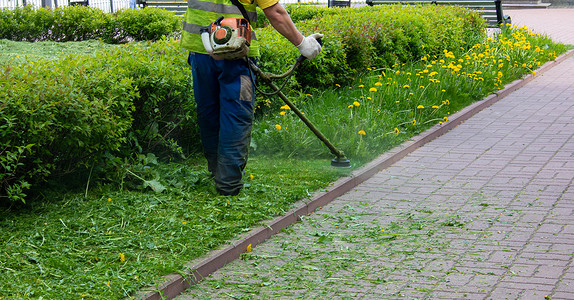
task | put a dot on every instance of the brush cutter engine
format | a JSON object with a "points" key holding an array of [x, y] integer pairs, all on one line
{"points": [[227, 38]]}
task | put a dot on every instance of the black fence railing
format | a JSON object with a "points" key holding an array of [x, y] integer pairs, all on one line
{"points": [[104, 5], [114, 5]]}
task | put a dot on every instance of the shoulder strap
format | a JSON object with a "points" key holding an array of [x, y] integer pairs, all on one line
{"points": [[241, 8]]}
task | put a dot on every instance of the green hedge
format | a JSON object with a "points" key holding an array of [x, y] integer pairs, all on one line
{"points": [[356, 39], [60, 115], [137, 98], [80, 23]]}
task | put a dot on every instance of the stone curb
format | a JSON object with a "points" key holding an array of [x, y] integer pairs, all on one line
{"points": [[175, 284]]}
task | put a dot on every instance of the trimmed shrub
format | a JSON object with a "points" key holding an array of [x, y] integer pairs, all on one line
{"points": [[80, 23], [59, 115]]}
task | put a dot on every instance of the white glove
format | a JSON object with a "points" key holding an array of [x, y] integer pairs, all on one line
{"points": [[309, 47]]}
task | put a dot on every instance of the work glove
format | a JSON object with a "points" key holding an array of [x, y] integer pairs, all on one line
{"points": [[310, 47]]}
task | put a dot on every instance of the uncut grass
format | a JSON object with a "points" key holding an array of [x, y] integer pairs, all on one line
{"points": [[390, 105], [114, 242]]}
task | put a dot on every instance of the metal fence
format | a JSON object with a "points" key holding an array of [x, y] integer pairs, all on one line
{"points": [[114, 5], [105, 5]]}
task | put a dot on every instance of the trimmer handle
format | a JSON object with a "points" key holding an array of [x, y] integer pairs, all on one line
{"points": [[302, 58]]}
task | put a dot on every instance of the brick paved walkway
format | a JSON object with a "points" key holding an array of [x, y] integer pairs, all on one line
{"points": [[485, 211], [558, 23]]}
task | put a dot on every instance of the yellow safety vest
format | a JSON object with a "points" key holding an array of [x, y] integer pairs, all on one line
{"points": [[201, 13]]}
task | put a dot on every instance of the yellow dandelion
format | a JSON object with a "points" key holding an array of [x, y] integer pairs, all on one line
{"points": [[396, 131], [378, 84], [361, 85], [285, 107], [533, 72], [372, 89], [420, 107], [309, 95], [248, 248], [356, 103], [109, 199], [435, 107], [350, 106], [445, 119], [406, 86], [369, 98], [122, 257], [414, 122], [277, 126], [250, 176], [362, 132], [184, 223]]}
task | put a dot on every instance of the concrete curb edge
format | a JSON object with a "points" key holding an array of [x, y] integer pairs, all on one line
{"points": [[175, 284]]}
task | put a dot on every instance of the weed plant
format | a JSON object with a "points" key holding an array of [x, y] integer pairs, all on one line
{"points": [[390, 105], [108, 242]]}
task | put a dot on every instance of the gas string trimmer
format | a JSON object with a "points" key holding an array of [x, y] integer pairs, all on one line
{"points": [[230, 39], [340, 160]]}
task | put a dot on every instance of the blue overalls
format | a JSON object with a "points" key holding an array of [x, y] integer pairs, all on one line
{"points": [[225, 98]]}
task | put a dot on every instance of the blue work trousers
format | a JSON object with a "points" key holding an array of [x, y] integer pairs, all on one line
{"points": [[224, 94]]}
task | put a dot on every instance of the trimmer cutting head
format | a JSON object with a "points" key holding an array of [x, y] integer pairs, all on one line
{"points": [[341, 162]]}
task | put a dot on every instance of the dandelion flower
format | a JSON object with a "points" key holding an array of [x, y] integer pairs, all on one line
{"points": [[282, 113], [435, 107], [396, 131], [420, 107], [337, 85], [248, 248], [350, 106], [184, 223], [277, 126], [445, 119], [250, 176], [122, 257], [414, 122], [406, 86], [372, 89], [285, 107], [109, 199], [378, 84], [362, 132], [533, 72], [356, 103], [361, 85]]}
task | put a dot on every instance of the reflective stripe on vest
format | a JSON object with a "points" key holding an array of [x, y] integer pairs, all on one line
{"points": [[202, 13], [221, 8], [192, 28]]}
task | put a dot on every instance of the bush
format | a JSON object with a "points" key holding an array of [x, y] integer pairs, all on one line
{"points": [[58, 115], [356, 39], [54, 116], [148, 24], [80, 23]]}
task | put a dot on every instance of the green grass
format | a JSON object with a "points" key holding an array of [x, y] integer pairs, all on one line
{"points": [[111, 243], [114, 239], [16, 52]]}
